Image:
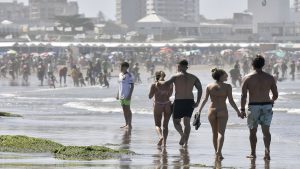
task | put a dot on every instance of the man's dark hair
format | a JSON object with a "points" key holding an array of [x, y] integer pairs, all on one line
{"points": [[125, 64], [183, 62], [258, 62]]}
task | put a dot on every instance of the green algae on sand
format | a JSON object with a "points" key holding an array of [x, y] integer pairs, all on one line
{"points": [[24, 144], [89, 153], [6, 114]]}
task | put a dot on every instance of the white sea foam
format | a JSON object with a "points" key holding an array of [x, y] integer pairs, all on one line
{"points": [[103, 100], [293, 111], [85, 106], [287, 110], [8, 95]]}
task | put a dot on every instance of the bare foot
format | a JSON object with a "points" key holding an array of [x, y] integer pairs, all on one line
{"points": [[182, 140], [185, 145], [160, 141], [124, 126], [267, 156], [251, 156], [219, 157]]}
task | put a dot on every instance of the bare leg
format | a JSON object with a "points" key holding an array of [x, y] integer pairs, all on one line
{"points": [[267, 141], [178, 127], [167, 116], [158, 110], [214, 126], [187, 129], [253, 141], [127, 116], [222, 122]]}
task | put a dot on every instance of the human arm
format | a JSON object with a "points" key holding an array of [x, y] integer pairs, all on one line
{"points": [[171, 90], [152, 91], [131, 91], [232, 102], [274, 91], [168, 82], [199, 94], [117, 97], [205, 100], [244, 96]]}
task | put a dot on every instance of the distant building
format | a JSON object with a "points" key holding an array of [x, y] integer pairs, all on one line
{"points": [[128, 12], [14, 11], [273, 11], [297, 5], [243, 18], [46, 10], [279, 32], [175, 10]]}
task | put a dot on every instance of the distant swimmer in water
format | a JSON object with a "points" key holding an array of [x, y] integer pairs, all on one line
{"points": [[259, 84], [218, 112], [126, 86], [184, 103], [162, 106]]}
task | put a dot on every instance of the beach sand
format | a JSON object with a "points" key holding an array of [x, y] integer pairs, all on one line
{"points": [[91, 116]]}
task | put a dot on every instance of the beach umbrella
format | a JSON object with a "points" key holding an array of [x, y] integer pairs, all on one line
{"points": [[11, 52], [243, 50], [51, 53], [45, 54], [226, 51], [278, 53], [165, 50]]}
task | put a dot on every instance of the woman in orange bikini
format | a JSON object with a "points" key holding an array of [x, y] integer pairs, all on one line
{"points": [[218, 113], [162, 107]]}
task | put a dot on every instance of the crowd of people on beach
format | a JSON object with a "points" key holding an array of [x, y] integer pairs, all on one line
{"points": [[257, 84], [257, 75], [98, 69]]}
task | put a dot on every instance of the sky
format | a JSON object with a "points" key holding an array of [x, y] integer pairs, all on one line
{"points": [[211, 9]]}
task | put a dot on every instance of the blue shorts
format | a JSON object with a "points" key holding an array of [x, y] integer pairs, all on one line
{"points": [[259, 114]]}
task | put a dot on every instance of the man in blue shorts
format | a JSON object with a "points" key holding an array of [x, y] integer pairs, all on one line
{"points": [[259, 84]]}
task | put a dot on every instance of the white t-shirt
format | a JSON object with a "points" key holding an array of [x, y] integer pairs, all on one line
{"points": [[125, 81]]}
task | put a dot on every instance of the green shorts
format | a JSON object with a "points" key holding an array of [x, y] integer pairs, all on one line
{"points": [[125, 102]]}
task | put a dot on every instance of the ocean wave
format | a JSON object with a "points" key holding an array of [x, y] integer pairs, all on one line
{"points": [[86, 106], [8, 95], [287, 110], [280, 93], [103, 100]]}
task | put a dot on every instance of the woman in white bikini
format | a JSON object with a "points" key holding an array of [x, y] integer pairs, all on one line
{"points": [[162, 107], [218, 92]]}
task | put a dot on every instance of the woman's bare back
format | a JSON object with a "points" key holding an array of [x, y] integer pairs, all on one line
{"points": [[218, 94]]}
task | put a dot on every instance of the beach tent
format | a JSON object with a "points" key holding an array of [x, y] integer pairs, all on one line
{"points": [[11, 52], [6, 22]]}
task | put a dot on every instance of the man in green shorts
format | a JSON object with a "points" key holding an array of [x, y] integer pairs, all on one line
{"points": [[126, 86]]}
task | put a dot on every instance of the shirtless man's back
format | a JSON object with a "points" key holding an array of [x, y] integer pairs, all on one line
{"points": [[184, 103], [259, 84]]}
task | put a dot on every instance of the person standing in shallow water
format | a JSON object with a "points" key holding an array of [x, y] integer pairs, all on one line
{"points": [[184, 103], [126, 86], [259, 84], [162, 106], [218, 112]]}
